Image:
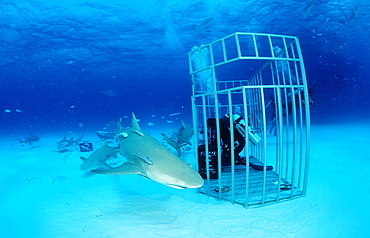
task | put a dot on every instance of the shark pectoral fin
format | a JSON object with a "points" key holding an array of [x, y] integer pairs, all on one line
{"points": [[171, 142], [125, 168], [88, 174], [145, 159], [179, 152], [106, 166]]}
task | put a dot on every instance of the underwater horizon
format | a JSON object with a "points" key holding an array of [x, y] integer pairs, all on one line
{"points": [[69, 62]]}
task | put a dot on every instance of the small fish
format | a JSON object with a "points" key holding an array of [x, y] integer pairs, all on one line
{"points": [[123, 134], [145, 159], [109, 93], [111, 123], [59, 179], [138, 132], [18, 110], [33, 180], [150, 124], [7, 111], [174, 114]]}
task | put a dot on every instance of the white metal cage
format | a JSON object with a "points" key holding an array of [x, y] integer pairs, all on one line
{"points": [[251, 89]]}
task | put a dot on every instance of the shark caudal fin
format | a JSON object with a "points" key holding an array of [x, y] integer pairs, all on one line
{"points": [[21, 141]]}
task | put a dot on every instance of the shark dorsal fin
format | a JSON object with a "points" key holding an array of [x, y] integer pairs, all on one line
{"points": [[119, 126], [134, 124]]}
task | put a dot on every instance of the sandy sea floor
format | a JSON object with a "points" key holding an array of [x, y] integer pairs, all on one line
{"points": [[43, 194]]}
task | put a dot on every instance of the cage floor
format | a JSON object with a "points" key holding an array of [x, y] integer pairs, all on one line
{"points": [[255, 188]]}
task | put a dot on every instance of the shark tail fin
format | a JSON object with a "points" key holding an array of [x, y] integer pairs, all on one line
{"points": [[173, 143], [79, 139], [134, 124], [52, 179]]}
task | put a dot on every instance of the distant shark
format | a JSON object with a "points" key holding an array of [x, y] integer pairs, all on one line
{"points": [[183, 138], [29, 140], [354, 13], [70, 142], [99, 157], [151, 159], [306, 13], [207, 23], [203, 27], [66, 145], [105, 135]]}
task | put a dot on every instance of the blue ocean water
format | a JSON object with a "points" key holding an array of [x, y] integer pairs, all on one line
{"points": [[63, 63]]}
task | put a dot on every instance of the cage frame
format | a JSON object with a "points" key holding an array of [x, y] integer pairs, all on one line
{"points": [[286, 91]]}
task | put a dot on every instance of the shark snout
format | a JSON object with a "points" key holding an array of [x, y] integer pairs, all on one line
{"points": [[193, 181]]}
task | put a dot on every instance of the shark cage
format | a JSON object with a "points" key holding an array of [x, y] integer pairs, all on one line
{"points": [[250, 106]]}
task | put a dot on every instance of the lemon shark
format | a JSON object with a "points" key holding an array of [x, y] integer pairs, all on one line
{"points": [[99, 157], [151, 159], [29, 140], [183, 138]]}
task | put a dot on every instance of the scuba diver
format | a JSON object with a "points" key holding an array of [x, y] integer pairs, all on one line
{"points": [[239, 138], [240, 130]]}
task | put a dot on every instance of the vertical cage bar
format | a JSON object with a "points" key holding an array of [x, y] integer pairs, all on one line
{"points": [[255, 45], [204, 109], [232, 145], [238, 46], [294, 151], [264, 152], [218, 135], [196, 126], [280, 140], [246, 149]]}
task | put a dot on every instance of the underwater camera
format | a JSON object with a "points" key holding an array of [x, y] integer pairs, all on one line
{"points": [[85, 146]]}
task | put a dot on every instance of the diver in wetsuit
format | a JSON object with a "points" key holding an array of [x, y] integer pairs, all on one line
{"points": [[239, 138]]}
